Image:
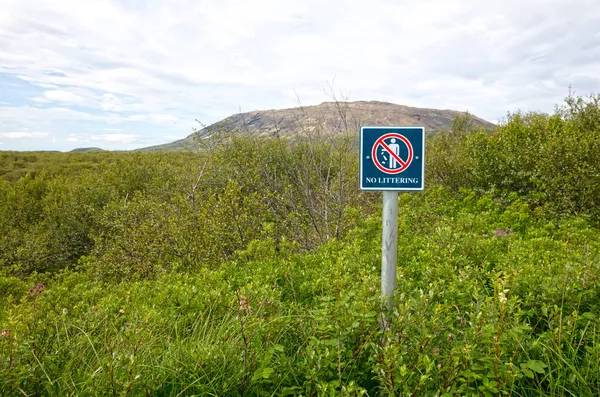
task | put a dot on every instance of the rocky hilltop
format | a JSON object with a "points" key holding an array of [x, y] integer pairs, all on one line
{"points": [[327, 118]]}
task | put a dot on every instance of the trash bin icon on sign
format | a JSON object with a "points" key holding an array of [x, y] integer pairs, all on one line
{"points": [[392, 153]]}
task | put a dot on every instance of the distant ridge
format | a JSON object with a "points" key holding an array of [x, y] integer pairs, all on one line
{"points": [[328, 117], [87, 149]]}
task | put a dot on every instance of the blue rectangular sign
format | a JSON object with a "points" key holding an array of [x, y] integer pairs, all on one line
{"points": [[392, 158]]}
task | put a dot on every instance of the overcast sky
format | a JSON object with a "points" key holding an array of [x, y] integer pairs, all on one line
{"points": [[123, 74]]}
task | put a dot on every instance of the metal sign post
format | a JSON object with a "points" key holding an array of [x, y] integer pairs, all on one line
{"points": [[389, 246], [392, 159]]}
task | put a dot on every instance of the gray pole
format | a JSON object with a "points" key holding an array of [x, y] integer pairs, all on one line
{"points": [[389, 246]]}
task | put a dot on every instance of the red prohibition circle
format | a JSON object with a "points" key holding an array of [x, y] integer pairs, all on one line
{"points": [[403, 164]]}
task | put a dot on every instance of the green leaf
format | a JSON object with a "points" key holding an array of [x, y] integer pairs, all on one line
{"points": [[528, 373], [264, 373], [537, 366], [588, 316]]}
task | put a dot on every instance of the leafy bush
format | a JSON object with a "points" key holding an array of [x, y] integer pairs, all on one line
{"points": [[252, 267], [490, 299]]}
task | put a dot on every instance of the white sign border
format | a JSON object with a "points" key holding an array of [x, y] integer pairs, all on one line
{"points": [[361, 159]]}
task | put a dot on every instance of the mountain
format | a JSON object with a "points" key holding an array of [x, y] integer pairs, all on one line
{"points": [[326, 118], [87, 149]]}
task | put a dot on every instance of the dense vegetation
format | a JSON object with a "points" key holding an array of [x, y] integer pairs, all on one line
{"points": [[251, 267]]}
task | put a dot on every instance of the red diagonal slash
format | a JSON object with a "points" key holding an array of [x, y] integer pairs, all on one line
{"points": [[390, 151]]}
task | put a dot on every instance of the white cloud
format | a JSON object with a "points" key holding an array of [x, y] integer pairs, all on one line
{"points": [[23, 135], [109, 138], [111, 102], [122, 138], [158, 118], [49, 86], [44, 118], [167, 62], [63, 96]]}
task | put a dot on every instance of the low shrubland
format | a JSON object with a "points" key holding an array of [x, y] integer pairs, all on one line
{"points": [[254, 269]]}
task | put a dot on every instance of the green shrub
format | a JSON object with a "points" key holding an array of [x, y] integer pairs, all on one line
{"points": [[252, 267]]}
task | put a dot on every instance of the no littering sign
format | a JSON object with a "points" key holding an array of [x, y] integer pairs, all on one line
{"points": [[392, 158]]}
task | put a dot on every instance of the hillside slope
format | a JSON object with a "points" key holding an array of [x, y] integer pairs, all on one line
{"points": [[326, 118], [87, 149]]}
